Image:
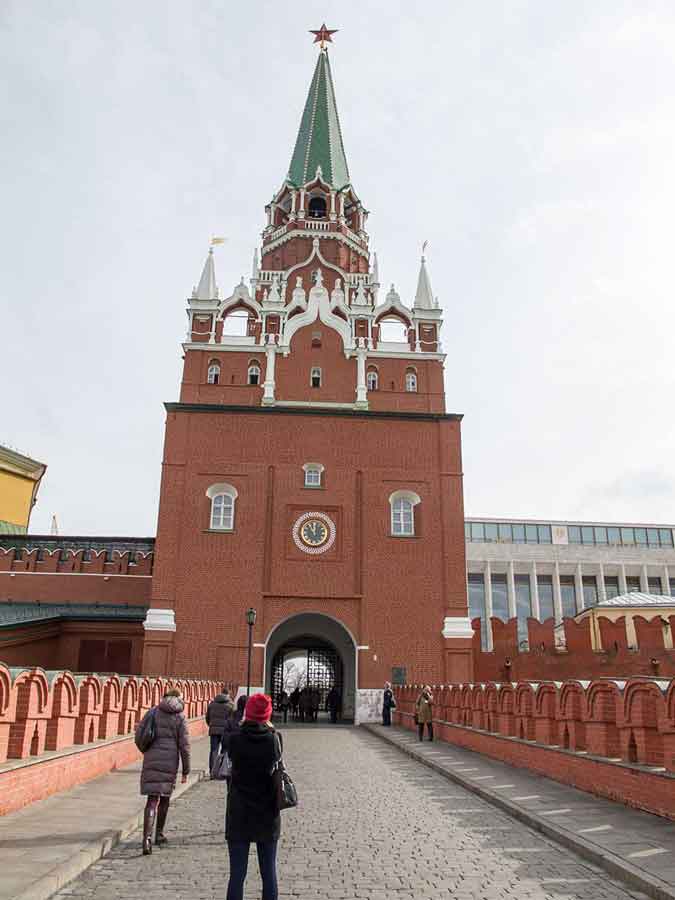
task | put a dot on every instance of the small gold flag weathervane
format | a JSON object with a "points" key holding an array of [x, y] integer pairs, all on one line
{"points": [[217, 240]]}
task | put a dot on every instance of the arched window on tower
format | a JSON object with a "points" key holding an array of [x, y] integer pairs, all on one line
{"points": [[411, 381], [317, 208], [254, 372], [223, 498], [403, 505], [235, 324], [315, 377], [213, 373], [372, 379], [393, 331]]}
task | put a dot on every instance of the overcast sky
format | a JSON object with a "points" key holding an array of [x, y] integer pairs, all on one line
{"points": [[531, 143]]}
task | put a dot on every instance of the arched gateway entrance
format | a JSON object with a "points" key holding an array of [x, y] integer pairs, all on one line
{"points": [[328, 649]]}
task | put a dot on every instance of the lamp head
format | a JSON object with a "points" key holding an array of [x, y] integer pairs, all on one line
{"points": [[250, 616]]}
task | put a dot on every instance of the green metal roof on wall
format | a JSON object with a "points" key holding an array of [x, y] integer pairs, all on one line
{"points": [[319, 141], [11, 528]]}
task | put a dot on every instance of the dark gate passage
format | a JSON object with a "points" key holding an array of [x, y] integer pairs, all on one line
{"points": [[324, 669]]}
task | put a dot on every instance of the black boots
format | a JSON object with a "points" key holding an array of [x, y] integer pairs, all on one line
{"points": [[148, 824], [162, 813]]}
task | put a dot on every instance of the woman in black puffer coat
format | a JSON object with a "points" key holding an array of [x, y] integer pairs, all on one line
{"points": [[252, 802], [160, 764]]}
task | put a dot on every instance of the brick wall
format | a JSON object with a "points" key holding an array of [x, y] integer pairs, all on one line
{"points": [[574, 658], [38, 779], [42, 711], [607, 737], [368, 580]]}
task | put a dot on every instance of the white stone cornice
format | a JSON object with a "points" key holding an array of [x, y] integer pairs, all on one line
{"points": [[213, 348], [457, 627], [411, 354], [160, 620]]}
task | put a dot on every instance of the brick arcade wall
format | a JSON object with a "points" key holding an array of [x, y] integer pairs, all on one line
{"points": [[58, 730], [615, 739]]}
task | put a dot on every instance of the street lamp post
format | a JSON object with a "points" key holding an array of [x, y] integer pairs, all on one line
{"points": [[250, 619]]}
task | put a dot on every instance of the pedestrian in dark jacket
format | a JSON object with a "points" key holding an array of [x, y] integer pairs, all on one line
{"points": [[241, 706], [284, 703], [232, 726], [388, 703], [217, 712], [295, 702], [160, 764], [252, 803], [333, 704]]}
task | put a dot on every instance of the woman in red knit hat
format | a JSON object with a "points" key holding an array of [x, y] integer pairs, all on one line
{"points": [[252, 805]]}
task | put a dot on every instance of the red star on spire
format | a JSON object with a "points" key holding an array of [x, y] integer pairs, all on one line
{"points": [[323, 35]]}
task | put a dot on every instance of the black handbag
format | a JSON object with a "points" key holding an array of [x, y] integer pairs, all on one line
{"points": [[222, 768], [146, 731], [286, 792]]}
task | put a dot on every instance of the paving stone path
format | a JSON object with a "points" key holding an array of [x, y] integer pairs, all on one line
{"points": [[373, 825]]}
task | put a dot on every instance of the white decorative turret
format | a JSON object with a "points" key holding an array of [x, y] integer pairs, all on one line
{"points": [[375, 272], [360, 297], [207, 289], [424, 298], [337, 297], [298, 297], [393, 298], [273, 298]]}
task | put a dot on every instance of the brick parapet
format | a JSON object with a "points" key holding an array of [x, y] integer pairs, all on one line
{"points": [[27, 780], [611, 737], [50, 711]]}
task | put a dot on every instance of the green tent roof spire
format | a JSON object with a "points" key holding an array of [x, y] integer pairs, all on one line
{"points": [[319, 141]]}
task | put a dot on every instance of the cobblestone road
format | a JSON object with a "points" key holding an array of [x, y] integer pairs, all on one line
{"points": [[374, 825]]}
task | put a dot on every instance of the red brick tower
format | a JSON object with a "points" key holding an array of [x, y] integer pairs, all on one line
{"points": [[310, 470]]}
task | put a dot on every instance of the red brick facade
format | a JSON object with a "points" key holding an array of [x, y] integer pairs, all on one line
{"points": [[368, 580]]}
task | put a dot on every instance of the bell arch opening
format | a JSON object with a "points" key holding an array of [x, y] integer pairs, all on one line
{"points": [[324, 654]]}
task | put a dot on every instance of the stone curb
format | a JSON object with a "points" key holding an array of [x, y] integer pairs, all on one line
{"points": [[66, 871], [612, 863]]}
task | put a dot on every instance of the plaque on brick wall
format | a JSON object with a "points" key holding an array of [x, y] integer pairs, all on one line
{"points": [[398, 675]]}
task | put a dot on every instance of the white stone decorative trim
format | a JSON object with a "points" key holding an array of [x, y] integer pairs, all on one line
{"points": [[160, 620], [368, 705], [316, 404], [457, 627], [314, 515]]}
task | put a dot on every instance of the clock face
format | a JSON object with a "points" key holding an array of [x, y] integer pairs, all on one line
{"points": [[314, 532]]}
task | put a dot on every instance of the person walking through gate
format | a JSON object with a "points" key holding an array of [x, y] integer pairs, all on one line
{"points": [[333, 704], [252, 803], [295, 702], [424, 713], [305, 705], [217, 712], [388, 703], [315, 703], [284, 703], [160, 764]]}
